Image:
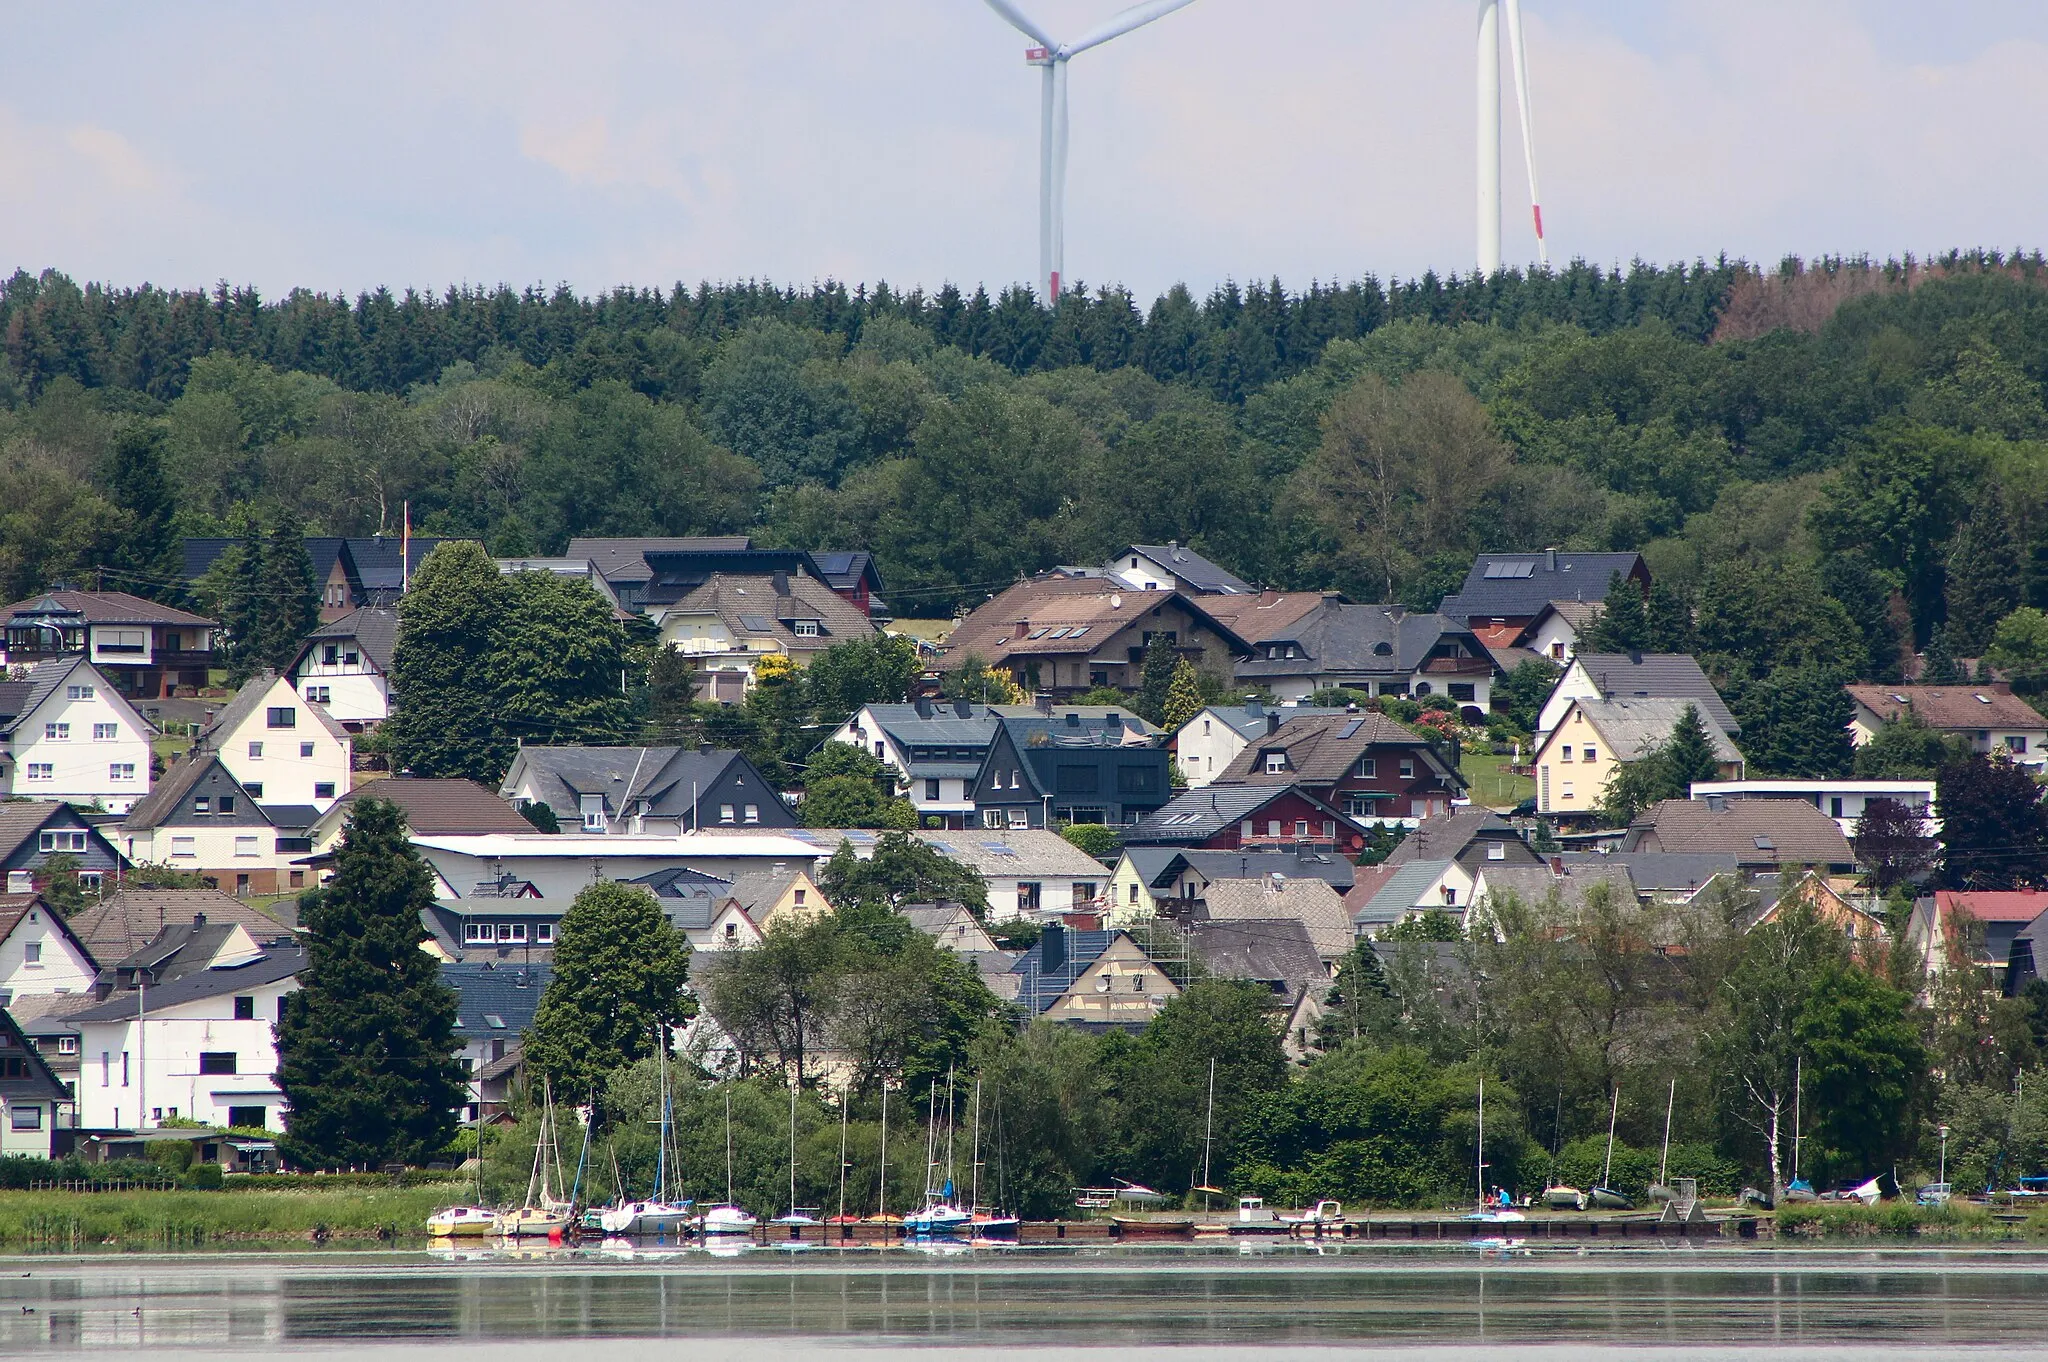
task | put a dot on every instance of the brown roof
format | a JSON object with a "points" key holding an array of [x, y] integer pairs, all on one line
{"points": [[1268, 615], [1321, 749], [1311, 902], [440, 808], [1048, 606], [745, 603], [106, 607], [1368, 882], [1990, 705], [125, 921], [1754, 831]]}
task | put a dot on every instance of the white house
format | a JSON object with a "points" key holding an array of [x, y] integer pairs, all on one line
{"points": [[1841, 800], [1207, 744], [1028, 871], [727, 625], [200, 1047], [66, 733], [199, 818], [345, 667], [39, 953], [1635, 676], [1170, 567], [1554, 633], [1987, 717], [284, 750], [30, 1095]]}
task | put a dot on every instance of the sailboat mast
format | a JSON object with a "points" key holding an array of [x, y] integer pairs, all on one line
{"points": [[951, 1179], [1798, 1091], [1209, 1124], [974, 1196], [882, 1178], [845, 1101], [1614, 1110], [728, 1148], [1480, 1171], [1664, 1159], [792, 1149]]}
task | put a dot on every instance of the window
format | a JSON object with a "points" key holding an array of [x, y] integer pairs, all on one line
{"points": [[331, 654], [1367, 768], [1016, 780], [1557, 650], [106, 732], [67, 1045], [478, 933], [512, 932], [543, 933], [248, 1118], [42, 770], [78, 692], [25, 1118], [60, 841], [246, 846], [726, 814], [1835, 806], [1590, 753], [1134, 893], [323, 789], [1407, 768], [227, 803], [281, 716], [799, 899], [1361, 806], [245, 1007], [1301, 827], [1565, 790], [106, 1069], [203, 804], [90, 880], [753, 813], [1272, 827], [992, 818], [305, 749], [32, 953], [1450, 897], [1463, 690], [255, 789], [1276, 763], [255, 751], [805, 628], [124, 1068], [1496, 851], [216, 1061], [133, 642], [931, 789], [2016, 743], [319, 695], [185, 848], [732, 931], [57, 732], [1020, 818], [1565, 753]]}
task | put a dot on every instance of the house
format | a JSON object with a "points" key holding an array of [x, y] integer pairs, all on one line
{"points": [[1596, 737], [1667, 877], [1842, 800], [938, 749], [569, 570], [31, 1095], [1553, 634], [1764, 836], [1097, 979], [853, 574], [45, 1018], [1152, 880], [1418, 887], [1987, 717], [125, 921], [493, 1011], [148, 651], [1249, 818], [1028, 871], [727, 625], [345, 667], [1977, 926], [1373, 769], [1858, 917], [67, 733], [351, 573], [648, 574], [546, 870], [200, 819], [200, 1047], [1635, 676], [1170, 567], [1376, 649], [1277, 953], [645, 791], [1505, 592], [703, 908], [1473, 837], [951, 925], [1066, 635], [34, 830], [433, 807], [1311, 902], [39, 952], [1567, 883], [282, 748], [1042, 771], [1205, 745], [780, 894]]}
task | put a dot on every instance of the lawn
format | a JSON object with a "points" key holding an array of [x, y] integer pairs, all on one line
{"points": [[1490, 783]]}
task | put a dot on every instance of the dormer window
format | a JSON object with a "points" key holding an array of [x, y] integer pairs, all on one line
{"points": [[804, 628], [1276, 763]]}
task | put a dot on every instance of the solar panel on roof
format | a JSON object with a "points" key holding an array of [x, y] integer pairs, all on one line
{"points": [[758, 623], [1512, 567], [1058, 633], [998, 848], [1350, 729]]}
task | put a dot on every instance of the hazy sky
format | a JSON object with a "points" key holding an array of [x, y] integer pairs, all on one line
{"points": [[611, 141]]}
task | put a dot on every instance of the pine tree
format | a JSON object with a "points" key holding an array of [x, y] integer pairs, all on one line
{"points": [[366, 1046], [444, 680], [147, 554], [1623, 624], [290, 603], [1668, 627], [620, 971], [1355, 997], [1985, 577], [1795, 724], [1183, 696], [1940, 668], [235, 587], [1689, 754], [1161, 661]]}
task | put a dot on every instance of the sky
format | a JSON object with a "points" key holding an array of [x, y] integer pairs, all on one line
{"points": [[617, 142]]}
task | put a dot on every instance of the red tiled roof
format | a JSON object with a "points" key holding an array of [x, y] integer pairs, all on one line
{"points": [[1987, 905], [1990, 705]]}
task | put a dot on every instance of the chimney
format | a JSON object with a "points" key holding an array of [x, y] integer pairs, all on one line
{"points": [[1254, 707], [964, 709], [705, 749], [1052, 946], [924, 707], [1044, 701], [1073, 719], [1173, 551], [781, 583], [1397, 612], [1272, 724], [1020, 629], [1717, 803], [198, 921], [1557, 866], [1550, 560], [1113, 721]]}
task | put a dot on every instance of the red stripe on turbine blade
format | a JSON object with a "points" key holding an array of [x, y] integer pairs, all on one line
{"points": [[1537, 208], [1053, 289]]}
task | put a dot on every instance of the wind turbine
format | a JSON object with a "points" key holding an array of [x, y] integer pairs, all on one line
{"points": [[1051, 57], [1489, 130]]}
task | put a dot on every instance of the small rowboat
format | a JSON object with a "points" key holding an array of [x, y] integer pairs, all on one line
{"points": [[1564, 1198], [1128, 1228], [1607, 1199]]}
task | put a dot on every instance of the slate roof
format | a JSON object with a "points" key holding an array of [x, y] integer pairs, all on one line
{"points": [[1534, 884], [1271, 951], [15, 907], [275, 963], [751, 608], [1518, 585], [757, 890], [1014, 852], [1662, 872], [507, 992], [691, 899], [1448, 836], [21, 819], [170, 789], [374, 629], [382, 567], [1336, 871], [844, 568], [623, 559], [1322, 750], [177, 950], [1770, 832], [200, 554], [1251, 721], [1039, 988], [105, 607], [1400, 893], [442, 807], [251, 697], [128, 919], [1311, 902], [1198, 815], [1657, 676], [1342, 639], [1992, 705], [1634, 728], [1198, 572], [23, 697], [662, 776], [290, 817]]}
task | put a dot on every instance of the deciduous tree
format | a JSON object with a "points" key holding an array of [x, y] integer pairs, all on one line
{"points": [[619, 983]]}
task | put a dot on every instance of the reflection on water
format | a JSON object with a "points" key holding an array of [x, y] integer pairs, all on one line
{"points": [[1283, 1295]]}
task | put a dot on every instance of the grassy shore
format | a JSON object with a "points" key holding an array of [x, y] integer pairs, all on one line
{"points": [[1957, 1222], [78, 1220]]}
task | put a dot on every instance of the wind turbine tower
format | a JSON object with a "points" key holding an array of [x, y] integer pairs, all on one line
{"points": [[1489, 130], [1051, 57]]}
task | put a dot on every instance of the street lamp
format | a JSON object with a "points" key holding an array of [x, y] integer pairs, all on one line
{"points": [[1943, 1130]]}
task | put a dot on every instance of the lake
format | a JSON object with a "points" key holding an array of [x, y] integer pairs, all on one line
{"points": [[1711, 1300]]}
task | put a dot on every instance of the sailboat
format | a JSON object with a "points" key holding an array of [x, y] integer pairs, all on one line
{"points": [[544, 1214], [726, 1220], [794, 1215], [659, 1215], [1488, 1212], [984, 1224], [1799, 1189], [1661, 1190], [938, 1217], [1605, 1197], [474, 1221]]}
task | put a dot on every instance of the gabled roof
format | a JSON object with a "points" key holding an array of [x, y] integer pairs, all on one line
{"points": [[1990, 705], [2011, 905], [153, 809], [1448, 836], [766, 607], [1013, 852], [1340, 639], [439, 807], [1661, 872], [15, 907], [1064, 617], [1576, 614], [845, 569], [1336, 871], [1252, 719], [1770, 832], [1635, 728], [1271, 951], [382, 561], [662, 776], [1265, 615], [1659, 676], [1402, 892], [1311, 902], [495, 1001], [1198, 815], [1533, 884], [624, 559], [373, 627], [129, 918], [250, 698], [19, 699], [201, 554], [38, 1083], [275, 963], [1198, 572], [1518, 585], [756, 891], [21, 819], [1323, 749], [102, 607], [1040, 988]]}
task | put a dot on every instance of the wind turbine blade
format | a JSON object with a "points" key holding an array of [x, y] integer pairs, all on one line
{"points": [[1023, 25], [1514, 14], [1059, 183], [1137, 16], [1489, 138], [1047, 102]]}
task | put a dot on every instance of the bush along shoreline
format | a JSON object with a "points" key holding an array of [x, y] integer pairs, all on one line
{"points": [[52, 1218]]}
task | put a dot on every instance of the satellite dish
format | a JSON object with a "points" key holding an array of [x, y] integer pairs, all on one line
{"points": [[1102, 983], [1116, 602]]}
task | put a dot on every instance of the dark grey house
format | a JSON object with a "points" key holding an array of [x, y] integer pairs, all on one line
{"points": [[1043, 772], [645, 790], [34, 830]]}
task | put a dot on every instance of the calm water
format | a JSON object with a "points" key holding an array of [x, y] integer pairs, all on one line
{"points": [[1708, 1301]]}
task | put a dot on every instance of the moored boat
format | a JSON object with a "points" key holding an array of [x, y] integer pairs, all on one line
{"points": [[1607, 1199], [1564, 1198], [937, 1218], [463, 1222], [1131, 1227], [535, 1221], [649, 1218], [726, 1220]]}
